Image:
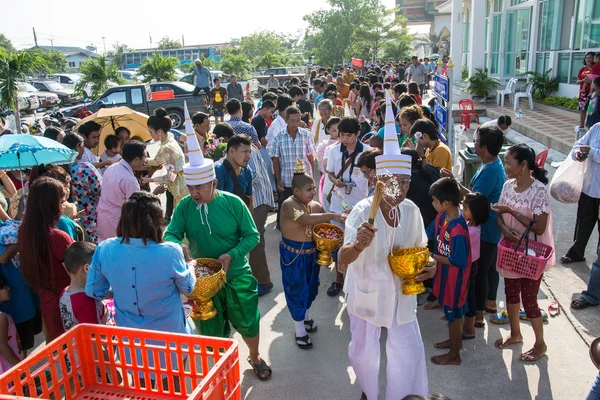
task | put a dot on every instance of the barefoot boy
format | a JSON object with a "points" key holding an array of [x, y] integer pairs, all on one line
{"points": [[298, 255], [453, 255]]}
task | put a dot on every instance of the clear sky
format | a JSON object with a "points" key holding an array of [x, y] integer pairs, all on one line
{"points": [[77, 23]]}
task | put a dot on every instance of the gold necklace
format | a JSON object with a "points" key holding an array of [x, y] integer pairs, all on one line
{"points": [[307, 229]]}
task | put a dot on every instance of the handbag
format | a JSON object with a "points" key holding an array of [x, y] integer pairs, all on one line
{"points": [[349, 162], [237, 188], [519, 260]]}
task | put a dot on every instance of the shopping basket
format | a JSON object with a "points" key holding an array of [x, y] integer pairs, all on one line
{"points": [[515, 258], [104, 362]]}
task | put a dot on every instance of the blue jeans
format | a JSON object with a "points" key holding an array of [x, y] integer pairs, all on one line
{"points": [[595, 391], [592, 294]]}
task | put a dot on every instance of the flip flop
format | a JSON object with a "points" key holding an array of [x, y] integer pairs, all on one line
{"points": [[479, 324], [310, 326], [334, 289], [307, 343], [500, 318], [554, 309], [264, 289], [468, 337], [260, 368], [524, 317]]}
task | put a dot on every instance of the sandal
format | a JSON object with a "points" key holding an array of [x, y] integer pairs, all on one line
{"points": [[554, 309], [260, 368], [491, 310], [479, 324], [264, 289], [310, 326], [334, 289], [524, 317], [581, 303], [500, 318], [307, 344]]}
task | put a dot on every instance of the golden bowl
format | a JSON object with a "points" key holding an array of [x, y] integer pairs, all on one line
{"points": [[407, 264], [206, 288], [326, 246]]}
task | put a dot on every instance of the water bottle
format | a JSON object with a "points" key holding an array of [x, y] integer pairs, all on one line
{"points": [[520, 113]]}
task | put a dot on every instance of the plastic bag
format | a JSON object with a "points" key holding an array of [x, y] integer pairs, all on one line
{"points": [[567, 182]]}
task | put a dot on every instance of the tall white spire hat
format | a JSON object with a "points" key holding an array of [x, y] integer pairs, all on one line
{"points": [[198, 170], [392, 161]]}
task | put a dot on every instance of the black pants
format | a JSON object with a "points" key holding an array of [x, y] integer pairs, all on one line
{"points": [[283, 196], [198, 89], [169, 210], [486, 278], [471, 291], [587, 217]]}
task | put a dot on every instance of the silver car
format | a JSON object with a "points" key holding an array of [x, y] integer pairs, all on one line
{"points": [[66, 96], [47, 99]]}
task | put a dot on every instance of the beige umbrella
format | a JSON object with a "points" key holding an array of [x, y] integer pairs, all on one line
{"points": [[112, 118]]}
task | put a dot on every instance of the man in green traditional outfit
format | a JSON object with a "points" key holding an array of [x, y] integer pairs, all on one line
{"points": [[219, 225]]}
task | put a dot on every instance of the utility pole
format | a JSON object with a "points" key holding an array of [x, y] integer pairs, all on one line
{"points": [[35, 38], [182, 41], [52, 41], [104, 42]]}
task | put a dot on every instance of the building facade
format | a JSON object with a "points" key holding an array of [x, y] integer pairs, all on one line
{"points": [[75, 55], [418, 11], [510, 37], [185, 55]]}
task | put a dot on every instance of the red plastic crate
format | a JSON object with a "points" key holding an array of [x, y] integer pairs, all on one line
{"points": [[98, 362]]}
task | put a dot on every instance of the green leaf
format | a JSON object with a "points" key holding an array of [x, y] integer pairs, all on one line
{"points": [[159, 68]]}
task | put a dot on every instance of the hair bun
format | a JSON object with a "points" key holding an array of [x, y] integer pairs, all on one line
{"points": [[160, 112]]}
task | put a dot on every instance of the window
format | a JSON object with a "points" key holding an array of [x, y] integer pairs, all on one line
{"points": [[587, 26], [115, 98], [550, 24], [136, 96], [577, 65], [498, 5], [496, 30], [542, 62], [517, 2], [564, 61], [72, 64]]}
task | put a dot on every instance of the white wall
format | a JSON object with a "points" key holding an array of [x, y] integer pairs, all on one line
{"points": [[440, 22], [567, 90], [77, 59]]}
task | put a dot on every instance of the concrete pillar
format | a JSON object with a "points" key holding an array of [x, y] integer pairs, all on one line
{"points": [[456, 33], [478, 37]]}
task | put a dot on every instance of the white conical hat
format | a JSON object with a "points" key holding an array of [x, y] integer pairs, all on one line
{"points": [[198, 170], [392, 161]]}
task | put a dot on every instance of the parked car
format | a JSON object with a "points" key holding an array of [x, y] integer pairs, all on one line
{"points": [[138, 98], [179, 88], [130, 77], [282, 74], [69, 81], [66, 96], [225, 78], [47, 99]]}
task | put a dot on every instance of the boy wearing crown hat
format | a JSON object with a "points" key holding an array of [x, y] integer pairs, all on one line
{"points": [[219, 225], [373, 293], [298, 255]]}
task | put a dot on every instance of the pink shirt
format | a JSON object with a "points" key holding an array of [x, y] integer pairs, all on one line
{"points": [[475, 237], [118, 184], [13, 342]]}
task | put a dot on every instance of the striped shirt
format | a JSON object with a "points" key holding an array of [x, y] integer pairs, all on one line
{"points": [[243, 128], [261, 183], [288, 150]]}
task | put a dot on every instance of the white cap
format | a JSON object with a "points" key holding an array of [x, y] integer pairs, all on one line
{"points": [[392, 161], [199, 170]]}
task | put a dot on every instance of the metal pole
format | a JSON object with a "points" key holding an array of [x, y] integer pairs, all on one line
{"points": [[450, 122], [35, 37], [104, 42]]}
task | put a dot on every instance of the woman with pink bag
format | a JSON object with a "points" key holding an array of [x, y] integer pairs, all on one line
{"points": [[524, 204]]}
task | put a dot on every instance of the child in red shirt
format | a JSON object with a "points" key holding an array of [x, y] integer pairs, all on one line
{"points": [[75, 306]]}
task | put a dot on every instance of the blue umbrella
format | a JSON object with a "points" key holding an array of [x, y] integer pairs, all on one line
{"points": [[23, 151]]}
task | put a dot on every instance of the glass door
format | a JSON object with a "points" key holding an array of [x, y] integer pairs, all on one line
{"points": [[518, 28]]}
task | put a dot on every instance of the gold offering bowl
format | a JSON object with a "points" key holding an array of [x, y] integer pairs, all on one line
{"points": [[206, 288], [407, 264], [326, 246]]}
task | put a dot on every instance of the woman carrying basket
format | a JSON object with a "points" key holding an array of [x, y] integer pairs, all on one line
{"points": [[524, 204]]}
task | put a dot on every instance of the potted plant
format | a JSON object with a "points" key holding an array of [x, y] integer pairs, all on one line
{"points": [[543, 84], [480, 83]]}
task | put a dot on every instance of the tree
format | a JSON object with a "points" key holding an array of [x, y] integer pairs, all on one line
{"points": [[117, 54], [397, 51], [385, 28], [260, 43], [435, 41], [335, 30], [167, 43], [206, 62], [97, 72], [15, 67], [269, 61], [6, 44], [159, 68], [53, 61], [233, 62]]}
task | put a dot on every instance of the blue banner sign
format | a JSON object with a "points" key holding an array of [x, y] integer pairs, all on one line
{"points": [[441, 114], [441, 86]]}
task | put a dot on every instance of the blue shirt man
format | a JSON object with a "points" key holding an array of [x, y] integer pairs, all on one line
{"points": [[225, 182], [202, 79]]}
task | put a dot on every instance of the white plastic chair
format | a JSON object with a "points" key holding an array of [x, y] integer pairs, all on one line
{"points": [[526, 94], [510, 89]]}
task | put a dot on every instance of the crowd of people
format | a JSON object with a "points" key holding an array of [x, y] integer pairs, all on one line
{"points": [[312, 152]]}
